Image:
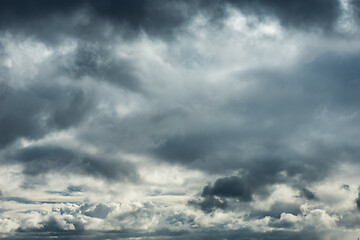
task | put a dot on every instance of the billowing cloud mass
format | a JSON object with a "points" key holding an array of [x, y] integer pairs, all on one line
{"points": [[180, 119]]}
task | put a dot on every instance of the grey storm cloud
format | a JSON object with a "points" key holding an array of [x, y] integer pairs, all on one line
{"points": [[282, 224], [306, 193], [99, 63], [303, 14], [275, 211], [357, 201], [232, 187], [179, 119], [349, 220], [289, 103], [242, 189], [209, 204], [50, 226], [157, 18], [39, 109], [43, 159], [329, 80]]}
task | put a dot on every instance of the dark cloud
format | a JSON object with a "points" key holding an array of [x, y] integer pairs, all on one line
{"points": [[73, 189], [356, 8], [52, 227], [136, 217], [62, 193], [40, 109], [257, 178], [24, 200], [346, 187], [290, 126], [100, 211], [349, 220], [185, 149], [180, 219], [215, 196], [281, 106], [229, 187], [357, 201], [275, 211], [19, 200], [242, 189], [100, 64], [306, 193], [209, 204], [52, 21], [70, 191], [281, 224], [45, 159], [333, 79], [300, 14], [39, 18]]}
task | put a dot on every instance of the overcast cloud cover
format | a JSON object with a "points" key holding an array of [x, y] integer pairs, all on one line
{"points": [[185, 119]]}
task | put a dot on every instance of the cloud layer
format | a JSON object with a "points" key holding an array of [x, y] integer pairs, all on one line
{"points": [[179, 119]]}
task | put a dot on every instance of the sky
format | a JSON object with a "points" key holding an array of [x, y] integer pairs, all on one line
{"points": [[190, 119]]}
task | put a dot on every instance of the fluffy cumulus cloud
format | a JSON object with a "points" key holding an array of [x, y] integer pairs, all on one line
{"points": [[179, 119]]}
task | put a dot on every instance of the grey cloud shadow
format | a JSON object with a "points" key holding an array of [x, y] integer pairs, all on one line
{"points": [[52, 22], [40, 109], [100, 211], [100, 64], [51, 159], [289, 102]]}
